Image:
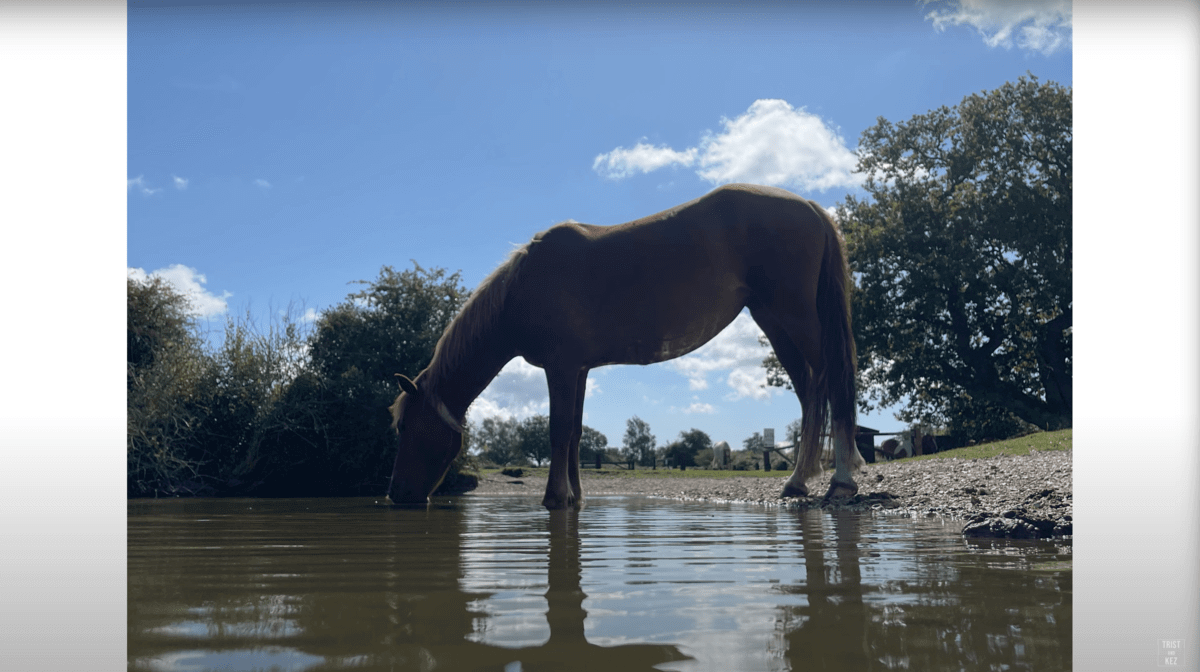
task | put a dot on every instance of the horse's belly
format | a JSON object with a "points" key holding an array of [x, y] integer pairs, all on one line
{"points": [[660, 345]]}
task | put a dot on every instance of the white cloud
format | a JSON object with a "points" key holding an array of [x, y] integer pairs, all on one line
{"points": [[776, 144], [139, 183], [643, 158], [263, 183], [310, 315], [190, 283], [180, 182], [772, 143], [518, 391], [736, 349], [1037, 25], [698, 407]]}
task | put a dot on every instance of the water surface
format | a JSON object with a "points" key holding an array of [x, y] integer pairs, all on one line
{"points": [[629, 583]]}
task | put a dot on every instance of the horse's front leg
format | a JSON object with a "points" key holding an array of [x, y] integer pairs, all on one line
{"points": [[563, 386]]}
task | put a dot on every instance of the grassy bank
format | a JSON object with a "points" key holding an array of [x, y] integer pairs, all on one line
{"points": [[1041, 442]]}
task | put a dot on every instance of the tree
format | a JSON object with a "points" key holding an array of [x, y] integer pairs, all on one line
{"points": [[498, 440], [683, 451], [591, 442], [638, 446], [356, 348], [158, 320], [962, 262], [165, 367], [753, 443], [533, 436]]}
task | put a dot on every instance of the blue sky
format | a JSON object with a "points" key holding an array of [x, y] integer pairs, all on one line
{"points": [[277, 153]]}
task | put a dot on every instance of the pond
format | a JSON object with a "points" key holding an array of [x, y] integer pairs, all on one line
{"points": [[628, 583]]}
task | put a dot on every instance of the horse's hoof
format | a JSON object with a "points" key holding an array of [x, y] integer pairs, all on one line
{"points": [[560, 503], [792, 490], [839, 490]]}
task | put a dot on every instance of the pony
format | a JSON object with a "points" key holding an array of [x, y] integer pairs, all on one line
{"points": [[903, 447], [581, 296]]}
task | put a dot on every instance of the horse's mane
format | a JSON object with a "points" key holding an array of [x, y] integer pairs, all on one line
{"points": [[475, 319]]}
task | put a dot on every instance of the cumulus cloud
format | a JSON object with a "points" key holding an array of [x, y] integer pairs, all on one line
{"points": [[736, 350], [190, 283], [519, 391], [180, 182], [772, 143], [699, 407], [139, 183], [1036, 25]]}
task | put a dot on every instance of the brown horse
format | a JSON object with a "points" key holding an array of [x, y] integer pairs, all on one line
{"points": [[580, 296]]}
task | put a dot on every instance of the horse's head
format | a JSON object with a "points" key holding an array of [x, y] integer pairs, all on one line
{"points": [[429, 439]]}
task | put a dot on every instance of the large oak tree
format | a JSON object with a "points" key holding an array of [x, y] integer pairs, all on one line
{"points": [[961, 258]]}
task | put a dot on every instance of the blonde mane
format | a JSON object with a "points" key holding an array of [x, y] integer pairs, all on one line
{"points": [[475, 319]]}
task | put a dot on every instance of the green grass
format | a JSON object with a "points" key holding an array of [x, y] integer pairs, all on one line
{"points": [[1041, 442]]}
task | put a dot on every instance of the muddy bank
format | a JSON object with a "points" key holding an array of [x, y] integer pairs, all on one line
{"points": [[1027, 496]]}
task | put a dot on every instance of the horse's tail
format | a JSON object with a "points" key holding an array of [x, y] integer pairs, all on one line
{"points": [[830, 391]]}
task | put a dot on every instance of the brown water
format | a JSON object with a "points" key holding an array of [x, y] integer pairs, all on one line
{"points": [[496, 583]]}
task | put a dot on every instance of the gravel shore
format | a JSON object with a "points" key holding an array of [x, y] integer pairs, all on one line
{"points": [[1020, 497]]}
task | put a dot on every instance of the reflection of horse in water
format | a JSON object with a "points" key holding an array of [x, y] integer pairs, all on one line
{"points": [[580, 296], [830, 631], [436, 617], [568, 648]]}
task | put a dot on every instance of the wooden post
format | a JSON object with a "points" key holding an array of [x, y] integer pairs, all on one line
{"points": [[768, 444]]}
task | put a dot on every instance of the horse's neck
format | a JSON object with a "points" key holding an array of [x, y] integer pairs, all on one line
{"points": [[460, 385]]}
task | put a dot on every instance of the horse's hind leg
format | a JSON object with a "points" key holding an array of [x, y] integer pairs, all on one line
{"points": [[577, 434], [794, 363], [796, 338]]}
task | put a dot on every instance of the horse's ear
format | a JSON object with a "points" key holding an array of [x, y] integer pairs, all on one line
{"points": [[406, 384]]}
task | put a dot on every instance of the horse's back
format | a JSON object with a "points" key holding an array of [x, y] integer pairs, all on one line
{"points": [[660, 286]]}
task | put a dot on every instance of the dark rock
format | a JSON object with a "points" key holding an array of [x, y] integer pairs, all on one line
{"points": [[1014, 524]]}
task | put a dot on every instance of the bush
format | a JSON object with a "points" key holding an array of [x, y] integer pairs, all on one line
{"points": [[281, 410]]}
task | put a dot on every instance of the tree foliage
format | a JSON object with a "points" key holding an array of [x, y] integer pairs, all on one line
{"points": [[498, 441], [638, 445], [533, 436], [962, 302], [591, 442], [356, 348], [683, 451], [281, 410]]}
